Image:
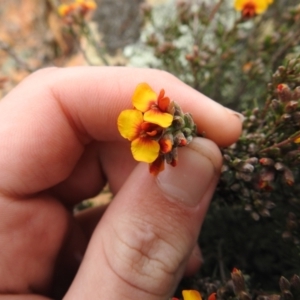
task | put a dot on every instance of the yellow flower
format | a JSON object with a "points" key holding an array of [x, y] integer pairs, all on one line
{"points": [[191, 295], [156, 128], [250, 8], [65, 9], [79, 6], [132, 127], [86, 5], [144, 125]]}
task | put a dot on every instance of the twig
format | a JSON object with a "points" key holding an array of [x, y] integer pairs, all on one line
{"points": [[5, 47], [214, 11], [278, 145], [210, 18], [286, 46], [87, 32], [221, 262], [78, 44]]}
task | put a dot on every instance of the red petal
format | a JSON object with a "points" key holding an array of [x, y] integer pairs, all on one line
{"points": [[212, 296], [157, 166], [162, 101], [165, 145]]}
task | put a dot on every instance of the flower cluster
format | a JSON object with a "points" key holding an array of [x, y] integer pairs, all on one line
{"points": [[251, 8], [78, 7], [156, 127], [263, 166], [235, 288]]}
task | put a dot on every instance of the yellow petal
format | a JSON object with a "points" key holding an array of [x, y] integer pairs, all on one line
{"points": [[145, 149], [91, 5], [87, 4], [260, 5], [191, 295], [157, 117], [63, 9], [129, 122], [297, 140], [143, 97], [239, 4]]}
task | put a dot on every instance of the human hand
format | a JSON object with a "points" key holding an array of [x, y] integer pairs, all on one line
{"points": [[59, 146]]}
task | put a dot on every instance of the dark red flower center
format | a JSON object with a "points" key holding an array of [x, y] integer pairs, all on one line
{"points": [[249, 10]]}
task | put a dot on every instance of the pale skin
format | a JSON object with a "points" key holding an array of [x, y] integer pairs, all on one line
{"points": [[60, 145]]}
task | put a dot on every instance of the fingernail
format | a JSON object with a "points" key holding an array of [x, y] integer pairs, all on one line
{"points": [[237, 114], [198, 164]]}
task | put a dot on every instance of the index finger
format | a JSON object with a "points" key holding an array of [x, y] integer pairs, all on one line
{"points": [[48, 119], [97, 95]]}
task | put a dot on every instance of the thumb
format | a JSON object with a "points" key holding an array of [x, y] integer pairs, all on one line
{"points": [[141, 246]]}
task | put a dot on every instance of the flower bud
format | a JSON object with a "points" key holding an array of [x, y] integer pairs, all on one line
{"points": [[284, 284], [244, 296], [288, 176], [265, 161], [235, 187], [296, 94], [247, 168], [224, 169], [252, 160], [286, 117], [279, 166], [177, 110], [248, 207], [166, 143], [286, 235], [291, 106], [247, 177], [172, 157], [187, 131], [165, 47], [296, 117], [152, 40], [270, 205], [258, 203], [224, 292], [178, 122], [281, 69], [284, 92], [295, 282], [265, 213], [238, 281], [189, 122], [255, 216], [266, 175], [189, 139], [270, 297], [287, 295], [179, 139], [189, 57], [226, 157], [275, 104]]}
